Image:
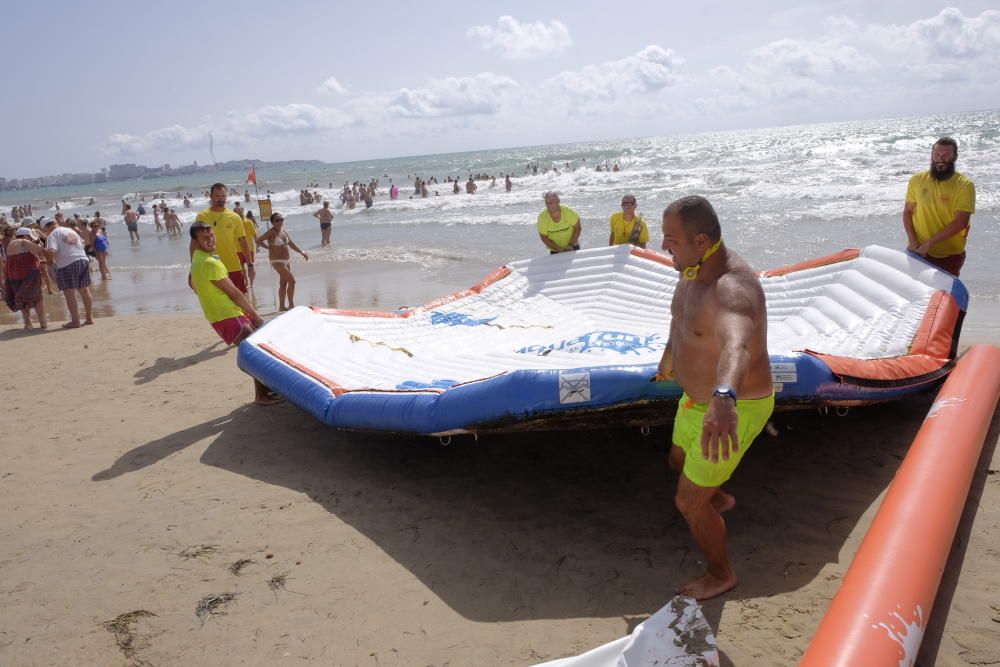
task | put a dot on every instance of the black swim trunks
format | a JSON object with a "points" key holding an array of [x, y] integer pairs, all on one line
{"points": [[324, 225]]}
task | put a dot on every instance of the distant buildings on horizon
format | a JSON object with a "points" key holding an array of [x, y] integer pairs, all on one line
{"points": [[129, 171]]}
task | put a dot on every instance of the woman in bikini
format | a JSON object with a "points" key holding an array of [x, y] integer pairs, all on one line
{"points": [[277, 241]]}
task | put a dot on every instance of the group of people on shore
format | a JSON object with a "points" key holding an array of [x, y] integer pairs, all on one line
{"points": [[35, 254]]}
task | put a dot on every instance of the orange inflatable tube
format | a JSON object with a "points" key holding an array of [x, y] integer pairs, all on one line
{"points": [[881, 611]]}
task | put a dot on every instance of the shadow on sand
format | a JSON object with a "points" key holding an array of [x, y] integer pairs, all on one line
{"points": [[568, 524], [168, 364]]}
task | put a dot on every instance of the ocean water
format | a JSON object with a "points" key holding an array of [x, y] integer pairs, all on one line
{"points": [[783, 194]]}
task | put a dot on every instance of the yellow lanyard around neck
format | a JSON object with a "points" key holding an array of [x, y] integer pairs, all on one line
{"points": [[691, 272]]}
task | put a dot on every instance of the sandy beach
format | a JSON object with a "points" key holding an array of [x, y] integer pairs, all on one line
{"points": [[138, 477]]}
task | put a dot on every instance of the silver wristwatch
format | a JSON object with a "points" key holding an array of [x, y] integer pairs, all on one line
{"points": [[724, 390]]}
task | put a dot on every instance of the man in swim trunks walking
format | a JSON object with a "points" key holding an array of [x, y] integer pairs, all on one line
{"points": [[717, 352], [325, 216], [131, 222]]}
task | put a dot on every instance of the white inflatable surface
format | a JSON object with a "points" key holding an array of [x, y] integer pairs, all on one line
{"points": [[593, 322]]}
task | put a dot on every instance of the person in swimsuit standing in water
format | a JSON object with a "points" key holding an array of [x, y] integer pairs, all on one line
{"points": [[277, 241]]}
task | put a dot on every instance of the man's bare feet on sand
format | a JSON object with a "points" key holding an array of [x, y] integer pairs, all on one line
{"points": [[708, 586], [72, 325], [723, 502], [268, 400]]}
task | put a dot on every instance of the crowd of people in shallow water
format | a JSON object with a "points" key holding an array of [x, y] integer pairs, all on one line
{"points": [[28, 272]]}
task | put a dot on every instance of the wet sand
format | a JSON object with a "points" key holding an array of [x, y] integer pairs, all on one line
{"points": [[380, 285]]}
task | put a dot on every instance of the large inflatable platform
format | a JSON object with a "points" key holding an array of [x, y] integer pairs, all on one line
{"points": [[575, 338]]}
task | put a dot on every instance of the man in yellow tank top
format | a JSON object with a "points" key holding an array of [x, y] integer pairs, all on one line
{"points": [[939, 205]]}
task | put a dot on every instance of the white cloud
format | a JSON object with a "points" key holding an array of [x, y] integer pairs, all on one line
{"points": [[235, 128], [174, 138], [483, 94], [521, 41], [331, 85], [283, 119], [810, 59], [649, 70], [857, 64], [951, 34]]}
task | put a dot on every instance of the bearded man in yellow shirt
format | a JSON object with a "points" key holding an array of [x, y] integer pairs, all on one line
{"points": [[939, 205]]}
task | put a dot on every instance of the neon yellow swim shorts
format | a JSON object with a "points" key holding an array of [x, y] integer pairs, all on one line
{"points": [[753, 416]]}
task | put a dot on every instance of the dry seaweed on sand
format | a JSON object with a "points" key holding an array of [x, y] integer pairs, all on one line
{"points": [[201, 551], [277, 583], [123, 628], [213, 605], [237, 568]]}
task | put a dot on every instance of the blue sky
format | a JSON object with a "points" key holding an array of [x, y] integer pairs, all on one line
{"points": [[109, 82]]}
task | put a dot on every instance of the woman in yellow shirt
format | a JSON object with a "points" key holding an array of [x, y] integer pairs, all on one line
{"points": [[627, 227]]}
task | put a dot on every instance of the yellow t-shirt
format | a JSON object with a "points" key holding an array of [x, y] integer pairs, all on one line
{"points": [[228, 229], [560, 232], [622, 229], [937, 201], [250, 231], [215, 303]]}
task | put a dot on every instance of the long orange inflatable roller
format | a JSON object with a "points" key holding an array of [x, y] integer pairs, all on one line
{"points": [[882, 609]]}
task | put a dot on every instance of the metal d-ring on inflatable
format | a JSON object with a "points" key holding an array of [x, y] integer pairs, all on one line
{"points": [[878, 617], [576, 338]]}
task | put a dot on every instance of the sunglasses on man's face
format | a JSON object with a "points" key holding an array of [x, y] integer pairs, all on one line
{"points": [[628, 203]]}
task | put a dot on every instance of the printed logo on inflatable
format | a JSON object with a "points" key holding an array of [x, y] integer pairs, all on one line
{"points": [[458, 320], [616, 341], [433, 384]]}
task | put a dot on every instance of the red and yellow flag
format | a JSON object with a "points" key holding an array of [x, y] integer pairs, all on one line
{"points": [[252, 176]]}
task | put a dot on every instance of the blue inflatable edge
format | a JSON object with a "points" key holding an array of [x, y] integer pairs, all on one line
{"points": [[295, 386], [532, 393], [525, 394]]}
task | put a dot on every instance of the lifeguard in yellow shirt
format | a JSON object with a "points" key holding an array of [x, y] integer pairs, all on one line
{"points": [[939, 205], [558, 226], [627, 227], [230, 234]]}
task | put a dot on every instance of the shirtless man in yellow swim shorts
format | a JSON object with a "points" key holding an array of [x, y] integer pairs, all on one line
{"points": [[717, 352]]}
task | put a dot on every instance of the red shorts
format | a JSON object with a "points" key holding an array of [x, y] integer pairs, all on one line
{"points": [[231, 329], [238, 280], [952, 263]]}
